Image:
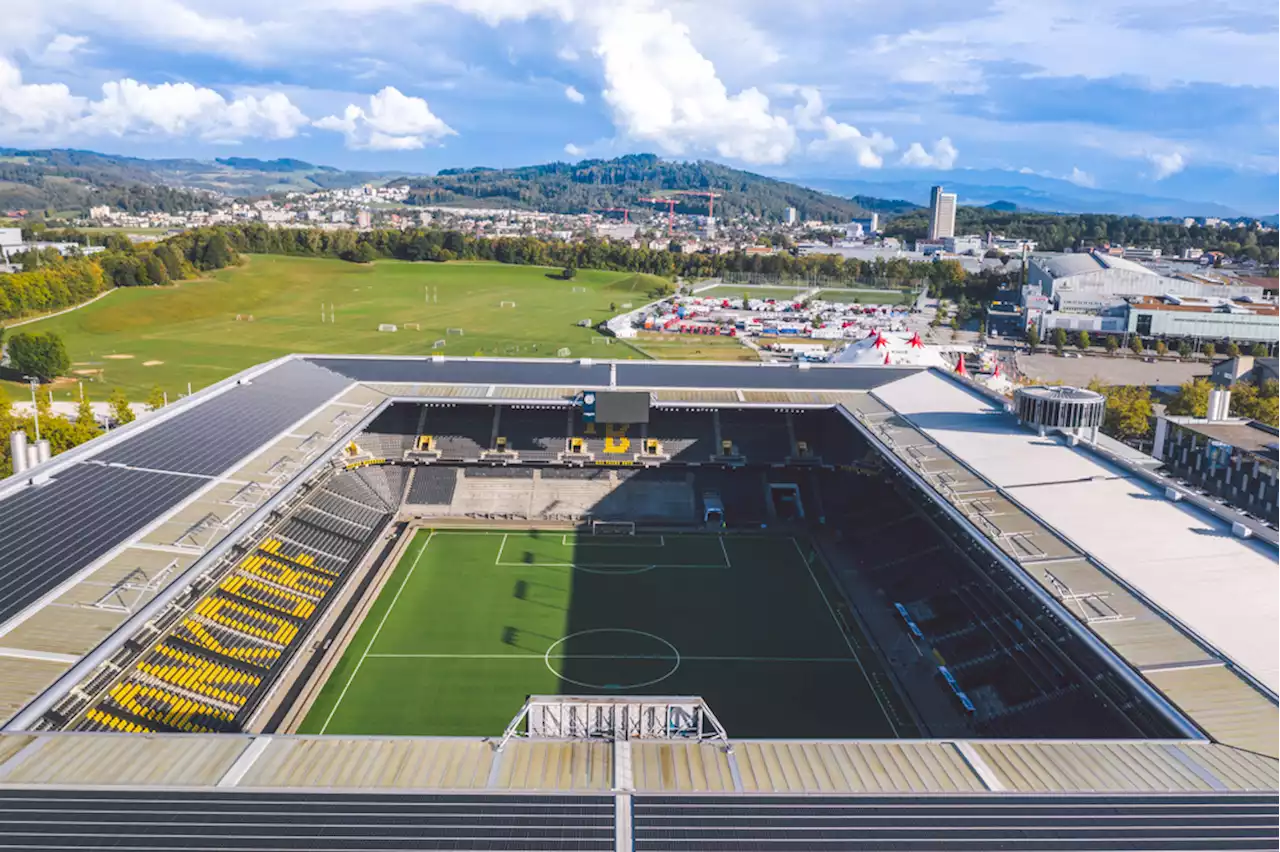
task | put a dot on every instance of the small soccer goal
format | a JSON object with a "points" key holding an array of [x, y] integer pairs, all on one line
{"points": [[453, 332], [439, 344], [387, 326], [613, 528], [505, 304], [579, 289], [413, 326], [244, 317]]}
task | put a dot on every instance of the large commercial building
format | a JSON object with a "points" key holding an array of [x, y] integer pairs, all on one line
{"points": [[942, 214], [1202, 319], [1114, 277]]}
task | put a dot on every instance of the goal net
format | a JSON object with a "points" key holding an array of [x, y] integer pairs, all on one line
{"points": [[613, 527], [505, 304]]}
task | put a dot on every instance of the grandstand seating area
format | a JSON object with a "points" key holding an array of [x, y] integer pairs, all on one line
{"points": [[433, 485], [392, 432], [1024, 672], [214, 664], [743, 493], [761, 437], [685, 435], [536, 434], [459, 432]]}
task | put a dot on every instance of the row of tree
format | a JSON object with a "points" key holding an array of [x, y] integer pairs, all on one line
{"points": [[1084, 341], [1130, 408], [61, 432], [50, 282], [434, 244]]}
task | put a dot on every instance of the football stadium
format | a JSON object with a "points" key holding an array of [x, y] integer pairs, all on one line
{"points": [[367, 602]]}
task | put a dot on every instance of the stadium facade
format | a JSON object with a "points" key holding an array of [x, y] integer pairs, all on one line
{"points": [[172, 591]]}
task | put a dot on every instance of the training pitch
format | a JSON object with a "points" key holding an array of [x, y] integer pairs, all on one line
{"points": [[472, 622]]}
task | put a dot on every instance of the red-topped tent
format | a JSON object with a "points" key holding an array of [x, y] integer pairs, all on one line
{"points": [[960, 366]]}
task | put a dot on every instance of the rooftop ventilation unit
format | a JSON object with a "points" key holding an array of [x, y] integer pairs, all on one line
{"points": [[1077, 411]]}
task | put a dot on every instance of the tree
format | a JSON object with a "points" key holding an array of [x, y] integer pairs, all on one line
{"points": [[1162, 348], [1209, 350], [86, 426], [217, 253], [1256, 403], [41, 355], [157, 273], [1110, 344], [1136, 345], [1128, 412], [364, 253], [1033, 337], [120, 410], [568, 273], [1191, 400], [1184, 349], [1259, 350], [1083, 341], [1233, 349], [156, 399], [1059, 340]]}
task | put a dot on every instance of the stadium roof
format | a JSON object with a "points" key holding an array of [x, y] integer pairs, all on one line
{"points": [[185, 483], [1082, 263]]}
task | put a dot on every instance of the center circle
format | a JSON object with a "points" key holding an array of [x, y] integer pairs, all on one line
{"points": [[603, 645]]}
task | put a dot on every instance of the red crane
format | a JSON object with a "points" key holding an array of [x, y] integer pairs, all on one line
{"points": [[626, 212], [710, 196], [671, 211]]}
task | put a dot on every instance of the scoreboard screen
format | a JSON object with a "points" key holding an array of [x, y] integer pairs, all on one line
{"points": [[621, 406]]}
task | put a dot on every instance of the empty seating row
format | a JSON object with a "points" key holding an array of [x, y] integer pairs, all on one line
{"points": [[433, 485]]}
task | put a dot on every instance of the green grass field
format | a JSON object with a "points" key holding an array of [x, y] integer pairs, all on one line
{"points": [[867, 297], [730, 291], [140, 337], [472, 622]]}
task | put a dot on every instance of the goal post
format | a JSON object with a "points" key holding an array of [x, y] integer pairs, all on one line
{"points": [[506, 304], [613, 527]]}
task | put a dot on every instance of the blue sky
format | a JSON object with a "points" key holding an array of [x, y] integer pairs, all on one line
{"points": [[1171, 98]]}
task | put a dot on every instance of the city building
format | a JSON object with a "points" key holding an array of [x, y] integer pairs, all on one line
{"points": [[364, 219], [963, 245], [1203, 319], [791, 216], [1244, 368], [1231, 457], [1145, 253], [1192, 253], [1106, 275], [870, 223], [942, 214]]}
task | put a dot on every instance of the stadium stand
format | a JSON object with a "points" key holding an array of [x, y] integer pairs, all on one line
{"points": [[536, 434], [391, 432], [685, 435], [433, 485], [459, 432], [1021, 671], [211, 667], [742, 491], [759, 436]]}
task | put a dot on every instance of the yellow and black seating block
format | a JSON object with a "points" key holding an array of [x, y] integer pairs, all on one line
{"points": [[234, 645], [247, 619], [269, 597], [290, 576], [176, 711], [306, 560], [195, 674]]}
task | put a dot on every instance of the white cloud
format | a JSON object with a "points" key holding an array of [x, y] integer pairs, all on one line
{"points": [[567, 53], [664, 92], [61, 50], [393, 122], [808, 113], [1167, 164], [572, 93], [841, 139], [129, 108], [943, 155], [573, 150], [1081, 178]]}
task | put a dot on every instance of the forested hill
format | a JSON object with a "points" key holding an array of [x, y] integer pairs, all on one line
{"points": [[65, 180], [595, 184]]}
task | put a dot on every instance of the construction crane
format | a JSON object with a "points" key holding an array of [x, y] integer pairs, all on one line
{"points": [[671, 211], [710, 196], [626, 213]]}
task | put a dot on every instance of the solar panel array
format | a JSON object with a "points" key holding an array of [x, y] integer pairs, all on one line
{"points": [[49, 532], [938, 824], [125, 819], [210, 437]]}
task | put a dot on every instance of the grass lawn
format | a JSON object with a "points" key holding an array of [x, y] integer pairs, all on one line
{"points": [[730, 291], [472, 622], [144, 336], [866, 297], [692, 347]]}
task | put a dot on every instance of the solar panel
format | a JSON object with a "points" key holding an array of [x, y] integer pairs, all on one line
{"points": [[210, 437], [84, 819], [546, 373], [943, 823], [49, 532]]}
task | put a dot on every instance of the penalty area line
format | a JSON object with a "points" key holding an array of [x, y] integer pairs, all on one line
{"points": [[368, 647], [712, 659]]}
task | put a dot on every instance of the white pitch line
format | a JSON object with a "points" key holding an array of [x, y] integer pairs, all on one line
{"points": [[590, 565], [727, 562], [501, 547], [385, 615], [839, 627], [612, 657]]}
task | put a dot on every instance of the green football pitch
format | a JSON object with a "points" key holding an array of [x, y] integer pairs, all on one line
{"points": [[472, 622]]}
